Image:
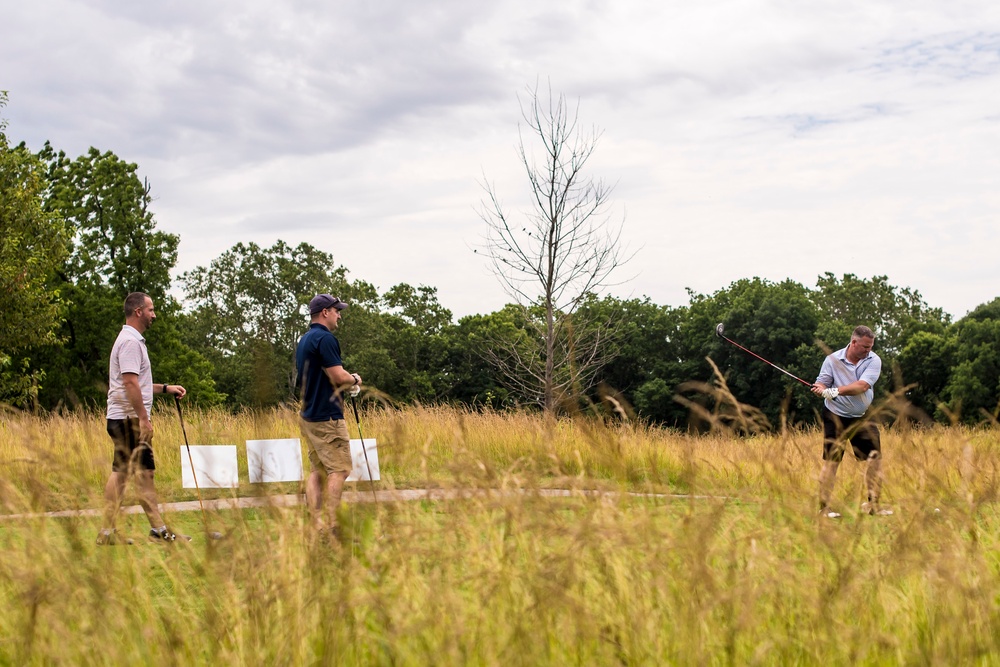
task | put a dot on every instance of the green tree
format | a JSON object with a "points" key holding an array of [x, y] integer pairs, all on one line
{"points": [[480, 345], [893, 313], [116, 249], [644, 368], [33, 243], [778, 322], [986, 311], [926, 363], [414, 331], [248, 310], [973, 389]]}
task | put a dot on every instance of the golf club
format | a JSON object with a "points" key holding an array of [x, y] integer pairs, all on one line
{"points": [[719, 332], [204, 517], [364, 450]]}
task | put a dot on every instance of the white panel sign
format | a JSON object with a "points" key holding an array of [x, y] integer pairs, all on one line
{"points": [[360, 471], [214, 465], [274, 460]]}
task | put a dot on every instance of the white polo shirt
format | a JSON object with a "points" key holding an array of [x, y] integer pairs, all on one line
{"points": [[838, 371], [128, 355]]}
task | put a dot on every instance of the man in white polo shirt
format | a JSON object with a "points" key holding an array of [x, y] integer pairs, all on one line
{"points": [[130, 400], [846, 381]]}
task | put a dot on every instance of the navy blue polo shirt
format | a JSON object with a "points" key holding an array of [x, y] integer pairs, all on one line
{"points": [[318, 349]]}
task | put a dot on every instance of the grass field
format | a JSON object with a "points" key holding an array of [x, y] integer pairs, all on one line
{"points": [[743, 571]]}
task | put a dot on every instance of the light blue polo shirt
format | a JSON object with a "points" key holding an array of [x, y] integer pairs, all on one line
{"points": [[837, 371]]}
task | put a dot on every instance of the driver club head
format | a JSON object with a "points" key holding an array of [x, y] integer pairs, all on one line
{"points": [[719, 329]]}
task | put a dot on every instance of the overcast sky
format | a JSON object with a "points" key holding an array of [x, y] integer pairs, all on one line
{"points": [[780, 139]]}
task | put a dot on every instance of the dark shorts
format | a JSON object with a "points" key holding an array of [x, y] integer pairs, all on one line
{"points": [[837, 431], [130, 454]]}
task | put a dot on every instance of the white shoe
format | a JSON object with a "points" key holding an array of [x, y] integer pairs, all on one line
{"points": [[828, 513], [874, 510]]}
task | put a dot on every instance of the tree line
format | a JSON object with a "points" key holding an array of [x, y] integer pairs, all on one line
{"points": [[78, 234]]}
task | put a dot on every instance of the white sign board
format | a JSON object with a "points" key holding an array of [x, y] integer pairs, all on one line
{"points": [[274, 460], [214, 465], [360, 471]]}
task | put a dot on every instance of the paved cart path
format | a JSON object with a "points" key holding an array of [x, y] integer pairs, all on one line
{"points": [[391, 495]]}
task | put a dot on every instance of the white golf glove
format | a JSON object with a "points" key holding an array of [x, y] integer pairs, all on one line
{"points": [[354, 391], [831, 393]]}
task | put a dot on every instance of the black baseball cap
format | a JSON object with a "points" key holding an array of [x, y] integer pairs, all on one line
{"points": [[321, 302]]}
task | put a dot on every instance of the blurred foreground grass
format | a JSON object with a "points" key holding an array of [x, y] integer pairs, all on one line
{"points": [[743, 573]]}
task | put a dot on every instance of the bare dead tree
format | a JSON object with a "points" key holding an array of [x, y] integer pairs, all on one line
{"points": [[565, 250]]}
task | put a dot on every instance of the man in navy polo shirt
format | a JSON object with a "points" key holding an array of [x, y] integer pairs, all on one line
{"points": [[845, 381], [322, 380]]}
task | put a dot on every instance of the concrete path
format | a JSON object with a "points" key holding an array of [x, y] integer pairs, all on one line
{"points": [[388, 496]]}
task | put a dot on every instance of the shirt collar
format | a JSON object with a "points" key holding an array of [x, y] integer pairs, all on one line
{"points": [[842, 355], [132, 331]]}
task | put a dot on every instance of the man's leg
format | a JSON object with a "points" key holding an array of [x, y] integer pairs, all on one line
{"points": [[334, 489], [113, 492], [330, 457], [827, 476], [147, 497], [314, 497], [833, 453], [873, 478]]}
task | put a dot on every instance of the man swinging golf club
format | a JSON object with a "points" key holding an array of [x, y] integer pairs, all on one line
{"points": [[845, 381], [322, 379]]}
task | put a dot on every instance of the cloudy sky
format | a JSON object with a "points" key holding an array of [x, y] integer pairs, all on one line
{"points": [[780, 139]]}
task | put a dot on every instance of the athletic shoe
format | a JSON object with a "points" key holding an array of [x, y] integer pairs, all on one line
{"points": [[166, 535], [828, 513], [107, 538], [874, 510]]}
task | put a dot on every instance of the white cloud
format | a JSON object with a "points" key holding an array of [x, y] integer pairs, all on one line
{"points": [[770, 138]]}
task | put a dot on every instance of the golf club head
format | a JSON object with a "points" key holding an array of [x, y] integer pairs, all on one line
{"points": [[719, 329]]}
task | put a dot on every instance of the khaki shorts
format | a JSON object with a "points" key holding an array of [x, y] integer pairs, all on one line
{"points": [[329, 445]]}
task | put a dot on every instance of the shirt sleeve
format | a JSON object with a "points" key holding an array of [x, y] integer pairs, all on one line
{"points": [[825, 376], [329, 352], [872, 372], [130, 357]]}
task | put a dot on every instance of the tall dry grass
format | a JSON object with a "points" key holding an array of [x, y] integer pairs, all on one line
{"points": [[740, 570]]}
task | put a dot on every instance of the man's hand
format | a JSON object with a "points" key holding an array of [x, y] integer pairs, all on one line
{"points": [[145, 430], [176, 390], [354, 391], [830, 393]]}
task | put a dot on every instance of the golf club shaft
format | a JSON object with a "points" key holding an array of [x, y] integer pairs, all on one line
{"points": [[364, 450], [794, 377], [180, 416]]}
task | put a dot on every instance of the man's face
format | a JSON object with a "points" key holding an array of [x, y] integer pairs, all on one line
{"points": [[860, 347], [332, 317], [146, 314]]}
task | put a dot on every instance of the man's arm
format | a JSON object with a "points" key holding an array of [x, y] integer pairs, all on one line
{"points": [[854, 389], [340, 378], [134, 395], [825, 378], [174, 389]]}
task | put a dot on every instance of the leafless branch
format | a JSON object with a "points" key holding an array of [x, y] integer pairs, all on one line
{"points": [[566, 249]]}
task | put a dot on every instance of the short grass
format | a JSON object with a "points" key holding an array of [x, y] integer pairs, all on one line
{"points": [[741, 571]]}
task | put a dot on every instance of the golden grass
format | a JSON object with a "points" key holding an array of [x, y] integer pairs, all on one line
{"points": [[744, 573]]}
